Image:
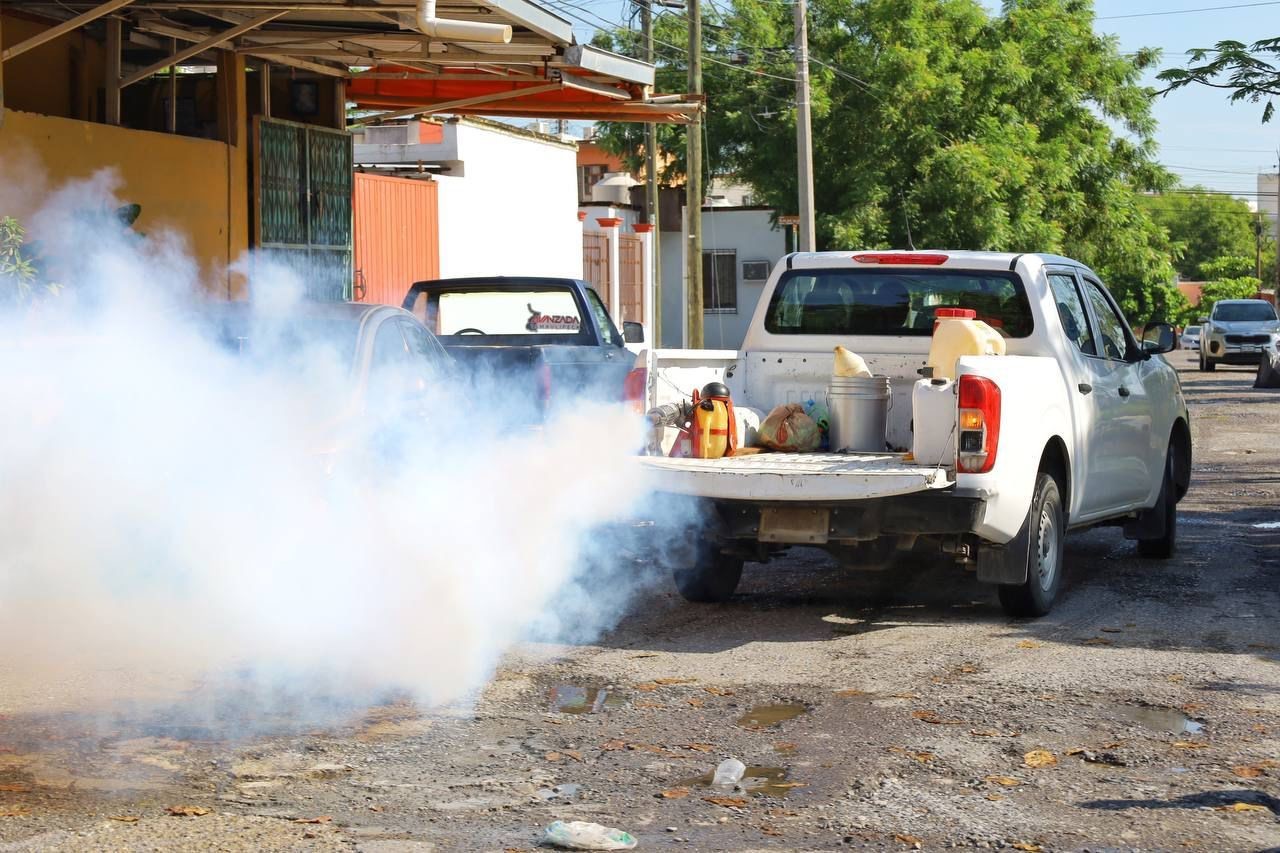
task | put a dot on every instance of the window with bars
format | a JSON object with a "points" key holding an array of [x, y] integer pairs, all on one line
{"points": [[720, 281]]}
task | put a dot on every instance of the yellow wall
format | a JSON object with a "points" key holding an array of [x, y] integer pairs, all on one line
{"points": [[61, 77], [195, 187]]}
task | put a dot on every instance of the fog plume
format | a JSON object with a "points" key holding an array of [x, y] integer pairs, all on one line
{"points": [[173, 503]]}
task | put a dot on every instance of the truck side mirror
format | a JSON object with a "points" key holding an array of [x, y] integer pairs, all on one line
{"points": [[1158, 337], [632, 332]]}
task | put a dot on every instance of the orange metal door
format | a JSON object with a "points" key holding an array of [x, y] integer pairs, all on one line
{"points": [[631, 276], [397, 236], [595, 263]]}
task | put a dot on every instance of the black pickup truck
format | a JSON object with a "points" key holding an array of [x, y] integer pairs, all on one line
{"points": [[535, 340]]}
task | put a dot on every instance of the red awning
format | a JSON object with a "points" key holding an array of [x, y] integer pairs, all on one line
{"points": [[554, 93]]}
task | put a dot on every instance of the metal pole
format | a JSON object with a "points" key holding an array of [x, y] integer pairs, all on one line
{"points": [[115, 36], [804, 142], [264, 88], [651, 188], [171, 120], [693, 182]]}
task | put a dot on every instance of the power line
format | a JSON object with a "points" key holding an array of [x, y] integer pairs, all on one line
{"points": [[1188, 11]]}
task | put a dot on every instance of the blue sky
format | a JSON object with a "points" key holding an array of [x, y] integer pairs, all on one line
{"points": [[1202, 136]]}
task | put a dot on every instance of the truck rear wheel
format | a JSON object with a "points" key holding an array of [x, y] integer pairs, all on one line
{"points": [[712, 579], [1164, 545], [1047, 528]]}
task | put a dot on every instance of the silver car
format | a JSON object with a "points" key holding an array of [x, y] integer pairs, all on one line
{"points": [[1238, 331], [1190, 338]]}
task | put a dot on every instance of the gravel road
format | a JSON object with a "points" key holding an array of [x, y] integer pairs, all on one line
{"points": [[892, 711]]}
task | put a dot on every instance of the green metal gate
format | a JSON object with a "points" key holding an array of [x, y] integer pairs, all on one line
{"points": [[302, 203]]}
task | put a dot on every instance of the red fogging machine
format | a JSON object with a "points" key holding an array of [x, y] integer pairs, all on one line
{"points": [[706, 424]]}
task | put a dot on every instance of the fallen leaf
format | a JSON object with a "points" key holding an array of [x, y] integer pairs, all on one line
{"points": [[771, 830], [16, 789], [923, 757], [666, 681], [984, 733], [784, 746], [187, 811], [1076, 751], [574, 754], [1095, 641], [904, 696], [648, 747], [1247, 771], [1006, 781], [718, 691], [13, 811], [1189, 744], [908, 839], [788, 784], [726, 802], [613, 745], [324, 818], [1029, 644], [1039, 758], [695, 702], [1243, 807], [377, 808], [932, 718], [553, 757], [1115, 744], [674, 793], [1176, 678], [698, 747], [995, 797], [125, 818], [1259, 728], [1191, 707], [647, 687], [1027, 847], [1268, 763], [850, 692], [1046, 697], [968, 670]]}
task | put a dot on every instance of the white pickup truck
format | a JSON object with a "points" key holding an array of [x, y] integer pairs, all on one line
{"points": [[1079, 424]]}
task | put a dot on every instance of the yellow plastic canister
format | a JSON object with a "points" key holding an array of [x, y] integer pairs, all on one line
{"points": [[958, 332], [711, 419]]}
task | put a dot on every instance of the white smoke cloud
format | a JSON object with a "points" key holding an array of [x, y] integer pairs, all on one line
{"points": [[171, 505]]}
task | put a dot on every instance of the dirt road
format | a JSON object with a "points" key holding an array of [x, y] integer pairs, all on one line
{"points": [[882, 712]]}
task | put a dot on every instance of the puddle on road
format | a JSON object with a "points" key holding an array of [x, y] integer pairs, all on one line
{"points": [[572, 699], [757, 781], [1161, 719], [763, 716]]}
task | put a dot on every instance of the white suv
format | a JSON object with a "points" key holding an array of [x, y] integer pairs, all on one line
{"points": [[1239, 331]]}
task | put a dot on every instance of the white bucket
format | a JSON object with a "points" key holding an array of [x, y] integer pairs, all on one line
{"points": [[859, 411]]}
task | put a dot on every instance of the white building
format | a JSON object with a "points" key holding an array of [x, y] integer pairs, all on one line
{"points": [[1269, 200]]}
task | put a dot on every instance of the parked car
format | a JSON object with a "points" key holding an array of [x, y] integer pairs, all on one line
{"points": [[1190, 338], [539, 339], [1238, 331], [1081, 424]]}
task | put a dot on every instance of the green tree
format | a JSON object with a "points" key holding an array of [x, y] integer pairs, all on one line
{"points": [[939, 120], [1241, 287], [1204, 226], [21, 278], [1243, 70]]}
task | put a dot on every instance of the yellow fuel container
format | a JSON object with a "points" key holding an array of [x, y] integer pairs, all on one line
{"points": [[711, 429], [958, 332]]}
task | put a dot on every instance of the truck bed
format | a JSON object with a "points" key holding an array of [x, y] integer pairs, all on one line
{"points": [[795, 476]]}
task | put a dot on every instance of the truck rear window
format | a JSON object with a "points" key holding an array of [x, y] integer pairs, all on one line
{"points": [[550, 312], [898, 303]]}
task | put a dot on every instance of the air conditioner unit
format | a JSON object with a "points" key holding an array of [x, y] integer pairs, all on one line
{"points": [[392, 134], [755, 270]]}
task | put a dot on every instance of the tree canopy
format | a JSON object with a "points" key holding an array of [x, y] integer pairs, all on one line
{"points": [[935, 117], [1205, 227], [1241, 69]]}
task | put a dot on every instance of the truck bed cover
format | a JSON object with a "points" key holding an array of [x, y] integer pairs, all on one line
{"points": [[795, 476]]}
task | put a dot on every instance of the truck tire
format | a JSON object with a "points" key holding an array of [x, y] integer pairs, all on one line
{"points": [[712, 579], [1163, 546], [1206, 364], [1046, 526]]}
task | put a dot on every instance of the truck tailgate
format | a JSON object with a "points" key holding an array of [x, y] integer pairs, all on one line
{"points": [[795, 476]]}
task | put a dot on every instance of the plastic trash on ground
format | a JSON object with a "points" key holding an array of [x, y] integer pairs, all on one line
{"points": [[728, 773], [849, 364], [789, 429], [581, 835]]}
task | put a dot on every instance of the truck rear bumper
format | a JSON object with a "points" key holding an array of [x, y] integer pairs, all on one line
{"points": [[819, 523]]}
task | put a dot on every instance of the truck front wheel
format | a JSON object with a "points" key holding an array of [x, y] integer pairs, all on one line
{"points": [[1046, 529], [712, 579], [1206, 363]]}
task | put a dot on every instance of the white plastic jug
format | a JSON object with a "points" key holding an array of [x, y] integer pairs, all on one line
{"points": [[958, 332], [933, 422]]}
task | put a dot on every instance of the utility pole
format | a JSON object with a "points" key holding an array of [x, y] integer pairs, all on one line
{"points": [[693, 183], [804, 143], [651, 185]]}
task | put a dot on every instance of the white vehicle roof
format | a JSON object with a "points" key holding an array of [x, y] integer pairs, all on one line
{"points": [[954, 258]]}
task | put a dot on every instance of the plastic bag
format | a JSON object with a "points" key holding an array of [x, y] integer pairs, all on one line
{"points": [[822, 417], [789, 429], [581, 835]]}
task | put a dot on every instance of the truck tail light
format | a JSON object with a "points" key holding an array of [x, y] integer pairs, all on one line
{"points": [[927, 259], [977, 425], [633, 389]]}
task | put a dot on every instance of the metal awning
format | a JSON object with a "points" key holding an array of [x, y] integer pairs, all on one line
{"points": [[382, 47]]}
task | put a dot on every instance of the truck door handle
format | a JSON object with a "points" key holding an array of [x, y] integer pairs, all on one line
{"points": [[1085, 387], [1124, 392]]}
